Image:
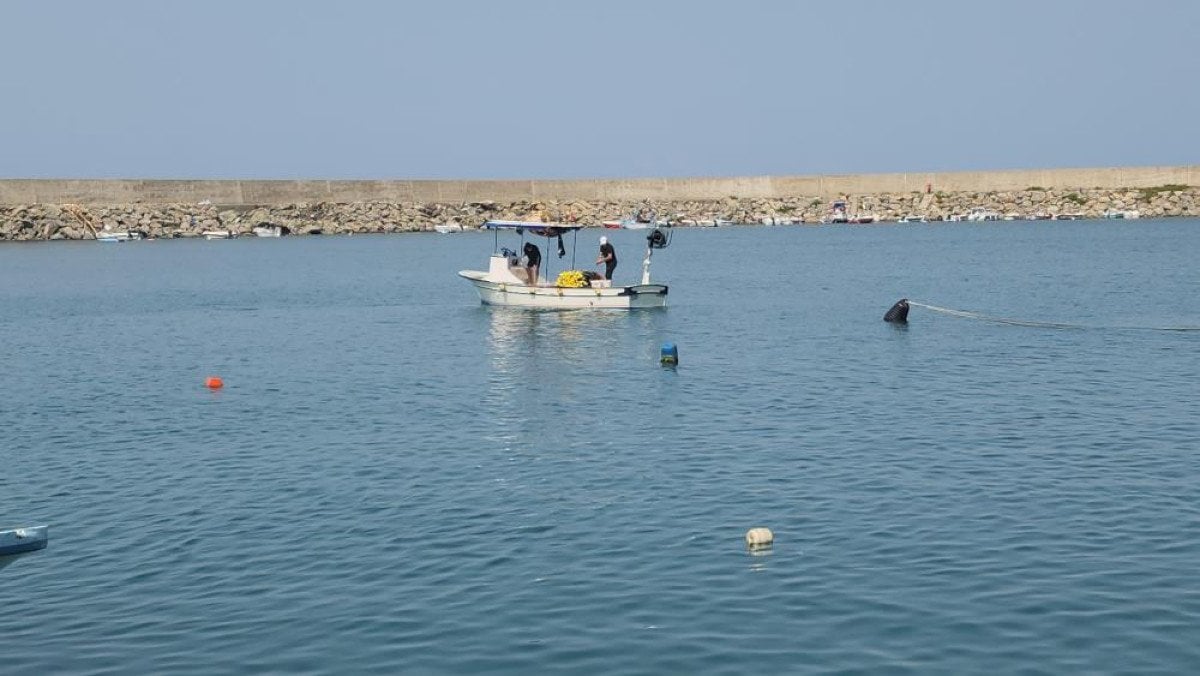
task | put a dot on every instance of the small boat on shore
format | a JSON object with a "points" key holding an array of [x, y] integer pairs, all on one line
{"points": [[447, 228], [217, 234], [912, 219], [506, 282]]}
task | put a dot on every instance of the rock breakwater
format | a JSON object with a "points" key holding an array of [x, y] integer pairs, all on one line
{"points": [[28, 222]]}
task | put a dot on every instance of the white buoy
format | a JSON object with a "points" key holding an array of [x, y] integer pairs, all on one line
{"points": [[759, 537]]}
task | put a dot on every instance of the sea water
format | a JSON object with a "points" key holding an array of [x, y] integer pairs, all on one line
{"points": [[396, 479]]}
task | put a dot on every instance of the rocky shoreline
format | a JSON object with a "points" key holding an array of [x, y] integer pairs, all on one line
{"points": [[37, 222]]}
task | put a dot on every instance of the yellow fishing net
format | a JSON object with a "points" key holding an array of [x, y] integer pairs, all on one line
{"points": [[571, 278]]}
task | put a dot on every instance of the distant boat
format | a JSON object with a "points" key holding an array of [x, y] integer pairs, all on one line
{"points": [[1122, 213], [118, 235], [980, 214], [268, 231], [447, 228], [912, 219], [837, 213], [642, 219], [1073, 216], [217, 234]]}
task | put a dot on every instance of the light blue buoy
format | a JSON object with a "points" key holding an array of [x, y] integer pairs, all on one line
{"points": [[669, 355]]}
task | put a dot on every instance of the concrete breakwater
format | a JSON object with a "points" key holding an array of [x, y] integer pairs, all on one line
{"points": [[54, 210]]}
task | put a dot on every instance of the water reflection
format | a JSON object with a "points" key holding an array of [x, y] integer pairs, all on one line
{"points": [[519, 336], [543, 363]]}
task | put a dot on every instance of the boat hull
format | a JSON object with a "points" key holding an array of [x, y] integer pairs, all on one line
{"points": [[566, 298], [23, 540], [121, 236]]}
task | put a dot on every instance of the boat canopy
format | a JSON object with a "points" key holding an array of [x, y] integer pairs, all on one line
{"points": [[544, 229]]}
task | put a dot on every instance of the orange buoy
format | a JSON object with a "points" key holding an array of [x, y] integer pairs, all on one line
{"points": [[214, 383]]}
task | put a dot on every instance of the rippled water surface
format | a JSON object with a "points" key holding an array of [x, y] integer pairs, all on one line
{"points": [[397, 479]]}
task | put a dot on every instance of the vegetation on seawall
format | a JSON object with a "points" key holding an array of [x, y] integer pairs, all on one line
{"points": [[29, 222]]}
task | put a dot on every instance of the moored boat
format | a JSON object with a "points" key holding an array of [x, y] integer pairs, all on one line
{"points": [[837, 213], [268, 231], [117, 235], [1122, 213], [980, 214]]}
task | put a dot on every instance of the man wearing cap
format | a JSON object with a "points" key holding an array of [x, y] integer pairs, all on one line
{"points": [[608, 256]]}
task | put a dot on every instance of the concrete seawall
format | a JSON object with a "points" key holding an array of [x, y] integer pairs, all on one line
{"points": [[260, 192]]}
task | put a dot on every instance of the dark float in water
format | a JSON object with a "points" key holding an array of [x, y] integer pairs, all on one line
{"points": [[898, 313]]}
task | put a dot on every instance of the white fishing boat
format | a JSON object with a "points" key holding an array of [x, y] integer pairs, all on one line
{"points": [[117, 235], [911, 218], [507, 282], [19, 541], [447, 228], [217, 234]]}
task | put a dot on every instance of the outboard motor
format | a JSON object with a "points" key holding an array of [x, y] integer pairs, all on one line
{"points": [[657, 239], [898, 313]]}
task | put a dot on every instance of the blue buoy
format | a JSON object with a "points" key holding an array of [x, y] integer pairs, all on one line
{"points": [[669, 356]]}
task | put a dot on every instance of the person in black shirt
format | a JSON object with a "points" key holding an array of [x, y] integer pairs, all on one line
{"points": [[533, 260], [608, 256]]}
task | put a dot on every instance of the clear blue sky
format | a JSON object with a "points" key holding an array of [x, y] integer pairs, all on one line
{"points": [[563, 88]]}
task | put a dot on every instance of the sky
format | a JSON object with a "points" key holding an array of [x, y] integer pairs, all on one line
{"points": [[372, 89]]}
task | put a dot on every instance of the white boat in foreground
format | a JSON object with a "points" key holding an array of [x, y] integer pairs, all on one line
{"points": [[506, 280], [19, 541]]}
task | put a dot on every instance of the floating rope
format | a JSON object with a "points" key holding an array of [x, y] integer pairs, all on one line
{"points": [[965, 314]]}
